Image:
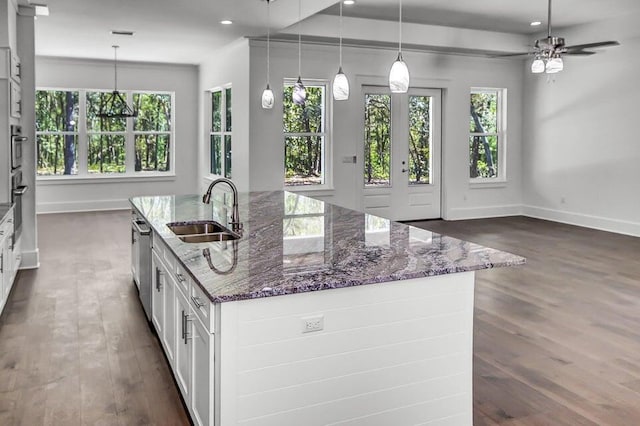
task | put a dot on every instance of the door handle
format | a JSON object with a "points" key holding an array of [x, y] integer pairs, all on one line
{"points": [[158, 275], [404, 170]]}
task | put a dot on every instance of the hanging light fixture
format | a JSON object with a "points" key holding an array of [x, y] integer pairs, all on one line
{"points": [[115, 105], [340, 81], [267, 95], [299, 92], [554, 64], [538, 65], [399, 74]]}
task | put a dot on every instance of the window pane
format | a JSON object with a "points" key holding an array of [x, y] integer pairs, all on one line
{"points": [[56, 111], [419, 139], [484, 112], [57, 154], [307, 119], [216, 111], [97, 101], [152, 153], [483, 156], [227, 99], [216, 154], [154, 112], [303, 160], [106, 154], [227, 156], [377, 142]]}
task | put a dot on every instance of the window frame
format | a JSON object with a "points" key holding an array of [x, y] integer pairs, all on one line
{"points": [[83, 135], [327, 146], [223, 133], [501, 134]]}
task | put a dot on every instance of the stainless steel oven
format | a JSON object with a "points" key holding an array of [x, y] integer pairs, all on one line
{"points": [[16, 147], [17, 192]]}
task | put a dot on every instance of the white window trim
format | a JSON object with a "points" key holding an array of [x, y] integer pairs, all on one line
{"points": [[499, 181], [327, 150], [83, 134], [222, 133]]}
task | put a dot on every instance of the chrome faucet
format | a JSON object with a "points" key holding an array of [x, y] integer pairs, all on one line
{"points": [[235, 223]]}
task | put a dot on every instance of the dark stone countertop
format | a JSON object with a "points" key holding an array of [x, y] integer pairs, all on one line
{"points": [[294, 244]]}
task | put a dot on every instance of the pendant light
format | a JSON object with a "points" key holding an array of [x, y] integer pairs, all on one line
{"points": [[399, 74], [299, 92], [340, 81], [538, 65], [115, 104], [554, 64], [267, 95]]}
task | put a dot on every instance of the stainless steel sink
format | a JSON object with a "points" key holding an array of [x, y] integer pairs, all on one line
{"points": [[202, 231]]}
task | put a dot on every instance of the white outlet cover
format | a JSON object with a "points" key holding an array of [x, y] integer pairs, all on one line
{"points": [[314, 323]]}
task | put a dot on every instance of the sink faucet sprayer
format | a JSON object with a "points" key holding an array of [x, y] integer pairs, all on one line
{"points": [[236, 226]]}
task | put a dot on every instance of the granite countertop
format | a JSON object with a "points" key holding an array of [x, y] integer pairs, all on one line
{"points": [[4, 209], [293, 244]]}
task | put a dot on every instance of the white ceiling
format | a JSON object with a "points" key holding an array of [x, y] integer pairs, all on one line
{"points": [[186, 31]]}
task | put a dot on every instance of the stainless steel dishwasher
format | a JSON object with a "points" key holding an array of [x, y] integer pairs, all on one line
{"points": [[141, 261]]}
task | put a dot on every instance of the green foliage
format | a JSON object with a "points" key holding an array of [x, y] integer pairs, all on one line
{"points": [[377, 151], [216, 158], [486, 106], [50, 154], [51, 111], [216, 111], [97, 101], [419, 139], [152, 152], [477, 151], [154, 112], [483, 147], [303, 153], [227, 156], [227, 98], [106, 154], [57, 125]]}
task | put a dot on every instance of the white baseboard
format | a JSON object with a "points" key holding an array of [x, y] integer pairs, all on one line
{"points": [[82, 206], [588, 221], [483, 212], [30, 259]]}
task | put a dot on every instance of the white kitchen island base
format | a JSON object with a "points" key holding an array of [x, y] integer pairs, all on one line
{"points": [[395, 353]]}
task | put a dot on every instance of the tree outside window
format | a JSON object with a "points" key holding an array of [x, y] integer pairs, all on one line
{"points": [[486, 137], [74, 141], [304, 137], [221, 133]]}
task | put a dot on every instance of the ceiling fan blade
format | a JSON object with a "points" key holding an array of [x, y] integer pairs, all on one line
{"points": [[512, 55], [579, 53], [579, 47]]}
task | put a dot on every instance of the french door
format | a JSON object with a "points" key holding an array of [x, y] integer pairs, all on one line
{"points": [[402, 153]]}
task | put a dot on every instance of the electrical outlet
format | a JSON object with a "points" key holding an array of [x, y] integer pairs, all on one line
{"points": [[315, 323]]}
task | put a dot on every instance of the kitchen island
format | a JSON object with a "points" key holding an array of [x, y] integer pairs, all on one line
{"points": [[372, 323]]}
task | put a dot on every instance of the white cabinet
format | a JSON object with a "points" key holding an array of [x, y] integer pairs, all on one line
{"points": [[183, 319], [7, 264], [202, 374]]}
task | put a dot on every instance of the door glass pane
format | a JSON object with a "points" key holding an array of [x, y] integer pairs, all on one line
{"points": [[377, 142], [419, 140]]}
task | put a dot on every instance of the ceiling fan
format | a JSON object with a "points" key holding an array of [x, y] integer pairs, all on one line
{"points": [[548, 52]]}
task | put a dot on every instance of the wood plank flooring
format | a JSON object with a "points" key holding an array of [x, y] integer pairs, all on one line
{"points": [[556, 342]]}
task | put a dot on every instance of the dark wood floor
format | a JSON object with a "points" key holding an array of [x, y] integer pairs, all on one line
{"points": [[556, 342]]}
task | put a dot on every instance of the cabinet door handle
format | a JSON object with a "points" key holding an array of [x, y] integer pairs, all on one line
{"points": [[185, 327], [197, 302], [1, 263], [158, 275]]}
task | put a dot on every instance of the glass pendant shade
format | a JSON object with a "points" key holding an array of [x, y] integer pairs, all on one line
{"points": [[299, 93], [267, 98], [537, 66], [554, 65], [399, 76], [340, 86]]}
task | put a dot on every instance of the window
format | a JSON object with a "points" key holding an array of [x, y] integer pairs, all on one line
{"points": [[305, 137], [487, 134], [73, 140], [220, 135]]}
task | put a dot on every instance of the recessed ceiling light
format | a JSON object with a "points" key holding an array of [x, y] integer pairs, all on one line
{"points": [[349, 2], [535, 23], [226, 22]]}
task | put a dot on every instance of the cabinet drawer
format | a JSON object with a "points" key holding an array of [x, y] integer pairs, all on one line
{"points": [[182, 279], [202, 306], [164, 253]]}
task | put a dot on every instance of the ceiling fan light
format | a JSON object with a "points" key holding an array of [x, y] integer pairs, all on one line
{"points": [[340, 86], [299, 96], [399, 76], [554, 65], [537, 66], [267, 98]]}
